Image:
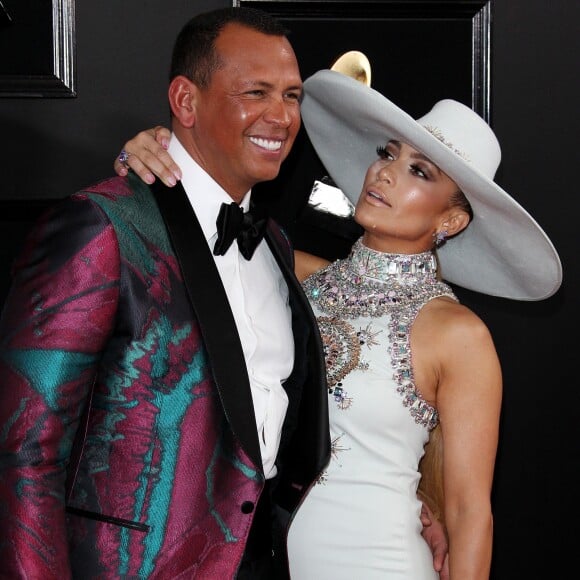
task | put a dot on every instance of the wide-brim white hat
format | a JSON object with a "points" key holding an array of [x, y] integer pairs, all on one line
{"points": [[503, 252]]}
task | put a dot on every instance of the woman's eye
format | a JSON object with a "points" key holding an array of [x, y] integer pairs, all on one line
{"points": [[416, 170], [383, 152]]}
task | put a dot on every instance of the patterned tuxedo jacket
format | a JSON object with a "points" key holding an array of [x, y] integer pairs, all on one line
{"points": [[128, 443]]}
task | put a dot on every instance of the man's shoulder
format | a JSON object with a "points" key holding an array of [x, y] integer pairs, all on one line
{"points": [[114, 188], [129, 206], [126, 197]]}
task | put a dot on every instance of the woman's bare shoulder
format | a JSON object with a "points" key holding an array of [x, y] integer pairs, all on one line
{"points": [[307, 264], [451, 343], [453, 321]]}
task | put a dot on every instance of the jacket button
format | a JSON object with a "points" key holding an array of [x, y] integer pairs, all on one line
{"points": [[247, 507]]}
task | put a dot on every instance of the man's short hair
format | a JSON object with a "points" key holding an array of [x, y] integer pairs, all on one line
{"points": [[194, 54]]}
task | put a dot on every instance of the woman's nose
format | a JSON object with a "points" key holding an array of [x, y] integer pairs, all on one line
{"points": [[386, 173]]}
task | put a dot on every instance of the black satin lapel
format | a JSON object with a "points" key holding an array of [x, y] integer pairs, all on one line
{"points": [[294, 286], [211, 307], [306, 425]]}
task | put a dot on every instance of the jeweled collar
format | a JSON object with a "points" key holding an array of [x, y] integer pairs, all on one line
{"points": [[372, 283], [382, 267]]}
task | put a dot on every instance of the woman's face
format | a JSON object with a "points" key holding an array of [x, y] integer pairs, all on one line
{"points": [[404, 200]]}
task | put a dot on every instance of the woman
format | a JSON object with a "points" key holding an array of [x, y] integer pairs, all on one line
{"points": [[403, 355]]}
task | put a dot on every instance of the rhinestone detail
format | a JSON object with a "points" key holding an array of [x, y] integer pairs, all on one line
{"points": [[372, 284], [438, 134]]}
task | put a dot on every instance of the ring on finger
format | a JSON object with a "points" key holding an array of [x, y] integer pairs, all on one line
{"points": [[124, 157]]}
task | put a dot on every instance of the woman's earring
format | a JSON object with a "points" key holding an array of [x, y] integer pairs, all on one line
{"points": [[440, 237]]}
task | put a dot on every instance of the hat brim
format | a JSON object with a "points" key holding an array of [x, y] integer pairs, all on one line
{"points": [[503, 252]]}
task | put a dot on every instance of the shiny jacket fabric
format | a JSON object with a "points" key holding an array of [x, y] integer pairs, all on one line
{"points": [[126, 449]]}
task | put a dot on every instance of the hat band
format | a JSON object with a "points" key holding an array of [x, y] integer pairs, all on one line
{"points": [[438, 134]]}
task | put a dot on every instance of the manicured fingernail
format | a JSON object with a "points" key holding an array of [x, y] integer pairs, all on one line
{"points": [[171, 181], [149, 178], [164, 143], [177, 175]]}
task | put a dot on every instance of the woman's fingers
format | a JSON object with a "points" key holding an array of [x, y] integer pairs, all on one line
{"points": [[147, 156]]}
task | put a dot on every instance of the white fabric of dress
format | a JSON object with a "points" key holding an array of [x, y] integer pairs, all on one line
{"points": [[360, 520]]}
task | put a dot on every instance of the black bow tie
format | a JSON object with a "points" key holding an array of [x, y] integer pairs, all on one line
{"points": [[233, 224]]}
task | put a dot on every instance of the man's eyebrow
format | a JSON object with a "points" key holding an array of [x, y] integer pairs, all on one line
{"points": [[255, 83]]}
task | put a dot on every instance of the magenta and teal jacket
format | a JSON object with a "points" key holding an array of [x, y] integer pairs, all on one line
{"points": [[128, 445]]}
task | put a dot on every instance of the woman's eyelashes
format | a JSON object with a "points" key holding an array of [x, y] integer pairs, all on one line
{"points": [[418, 169], [383, 152]]}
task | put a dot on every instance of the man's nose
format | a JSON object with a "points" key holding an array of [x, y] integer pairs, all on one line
{"points": [[279, 112]]}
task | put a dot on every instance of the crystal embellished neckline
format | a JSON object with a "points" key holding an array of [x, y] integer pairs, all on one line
{"points": [[372, 283], [382, 267]]}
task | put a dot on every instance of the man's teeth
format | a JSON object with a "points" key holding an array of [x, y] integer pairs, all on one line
{"points": [[270, 144]]}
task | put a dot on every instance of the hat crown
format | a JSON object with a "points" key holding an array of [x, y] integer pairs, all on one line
{"points": [[465, 133]]}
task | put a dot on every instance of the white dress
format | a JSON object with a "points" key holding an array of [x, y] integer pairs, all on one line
{"points": [[360, 521]]}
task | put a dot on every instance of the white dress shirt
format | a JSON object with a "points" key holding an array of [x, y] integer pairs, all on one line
{"points": [[258, 297]]}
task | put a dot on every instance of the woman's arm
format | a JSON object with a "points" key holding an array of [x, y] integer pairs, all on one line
{"points": [[148, 157], [469, 401], [307, 264]]}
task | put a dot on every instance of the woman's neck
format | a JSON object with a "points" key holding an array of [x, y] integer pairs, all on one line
{"points": [[394, 245]]}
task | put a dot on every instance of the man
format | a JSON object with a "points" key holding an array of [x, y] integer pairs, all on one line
{"points": [[142, 404], [154, 379]]}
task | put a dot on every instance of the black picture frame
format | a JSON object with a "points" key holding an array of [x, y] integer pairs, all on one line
{"points": [[439, 18], [37, 41]]}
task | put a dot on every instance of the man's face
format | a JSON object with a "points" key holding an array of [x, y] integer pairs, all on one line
{"points": [[248, 117]]}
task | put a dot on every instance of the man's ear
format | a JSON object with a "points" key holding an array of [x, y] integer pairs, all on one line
{"points": [[182, 100], [456, 222]]}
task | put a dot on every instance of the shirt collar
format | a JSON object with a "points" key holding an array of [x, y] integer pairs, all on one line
{"points": [[203, 192]]}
